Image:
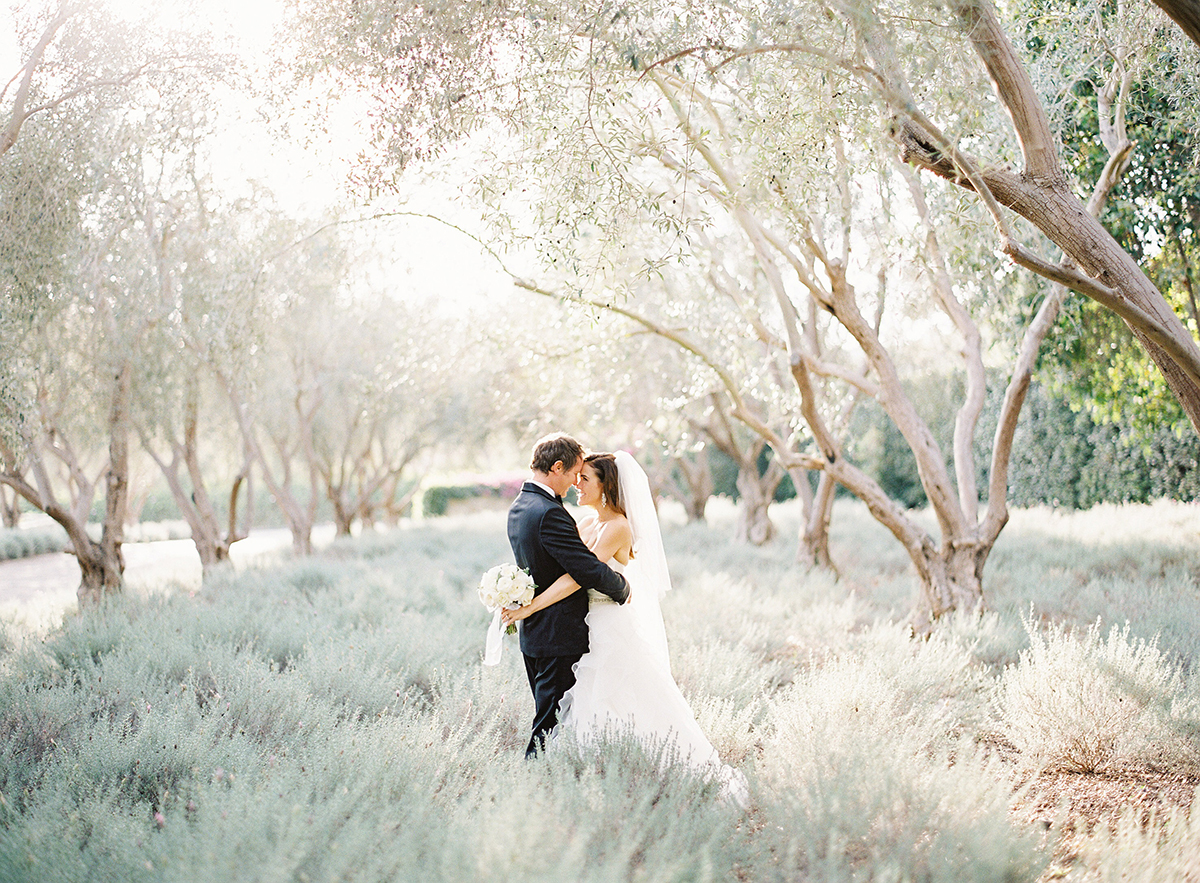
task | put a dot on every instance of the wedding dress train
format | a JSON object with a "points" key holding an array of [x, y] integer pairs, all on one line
{"points": [[624, 681]]}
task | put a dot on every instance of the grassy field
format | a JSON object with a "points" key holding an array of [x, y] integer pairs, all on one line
{"points": [[329, 719]]}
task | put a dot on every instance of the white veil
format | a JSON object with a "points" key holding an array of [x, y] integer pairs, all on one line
{"points": [[649, 565]]}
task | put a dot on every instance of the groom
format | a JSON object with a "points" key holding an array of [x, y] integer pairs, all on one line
{"points": [[546, 542]]}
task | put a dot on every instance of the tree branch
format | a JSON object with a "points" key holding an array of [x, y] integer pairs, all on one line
{"points": [[1186, 359], [1010, 411], [18, 116], [741, 409], [1185, 13], [1013, 87]]}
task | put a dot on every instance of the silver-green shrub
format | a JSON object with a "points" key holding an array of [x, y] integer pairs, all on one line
{"points": [[1085, 702], [871, 760], [24, 542], [329, 719]]}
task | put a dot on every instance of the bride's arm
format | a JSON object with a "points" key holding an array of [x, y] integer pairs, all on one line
{"points": [[562, 587], [555, 592]]}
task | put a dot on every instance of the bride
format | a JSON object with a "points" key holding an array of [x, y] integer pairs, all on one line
{"points": [[624, 681]]}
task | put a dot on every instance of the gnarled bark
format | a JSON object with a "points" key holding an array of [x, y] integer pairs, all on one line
{"points": [[755, 495], [1041, 194], [101, 566]]}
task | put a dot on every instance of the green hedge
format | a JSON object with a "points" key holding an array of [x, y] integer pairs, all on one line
{"points": [[1062, 457], [436, 499], [24, 542]]}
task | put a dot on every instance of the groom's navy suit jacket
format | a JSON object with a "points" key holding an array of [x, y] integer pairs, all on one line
{"points": [[545, 541]]}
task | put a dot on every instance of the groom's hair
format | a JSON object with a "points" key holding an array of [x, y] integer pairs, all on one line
{"points": [[552, 449]]}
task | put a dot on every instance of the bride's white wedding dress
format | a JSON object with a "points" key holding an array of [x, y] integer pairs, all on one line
{"points": [[624, 681]]}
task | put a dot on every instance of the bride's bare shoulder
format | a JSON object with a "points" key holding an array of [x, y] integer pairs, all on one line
{"points": [[620, 526], [587, 517]]}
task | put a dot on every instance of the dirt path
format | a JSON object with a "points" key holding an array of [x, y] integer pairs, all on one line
{"points": [[35, 592]]}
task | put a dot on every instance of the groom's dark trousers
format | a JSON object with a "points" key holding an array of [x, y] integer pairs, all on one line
{"points": [[546, 542]]}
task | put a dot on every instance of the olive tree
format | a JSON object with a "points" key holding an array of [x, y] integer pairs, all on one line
{"points": [[401, 381], [1042, 192], [1185, 14], [76, 53], [779, 124], [90, 102], [202, 245], [834, 305], [72, 344], [441, 69]]}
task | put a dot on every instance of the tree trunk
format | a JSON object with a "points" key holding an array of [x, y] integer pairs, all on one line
{"points": [[695, 507], [951, 580], [1062, 216], [302, 543], [10, 508], [213, 550], [1186, 14], [343, 518], [1188, 284], [102, 564], [755, 495], [397, 507], [212, 544], [950, 575], [101, 568], [755, 492], [300, 515], [694, 485], [1041, 193], [814, 534]]}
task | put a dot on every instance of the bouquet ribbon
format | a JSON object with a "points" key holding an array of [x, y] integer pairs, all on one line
{"points": [[495, 641]]}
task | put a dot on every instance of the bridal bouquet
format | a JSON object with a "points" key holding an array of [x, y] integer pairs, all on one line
{"points": [[504, 586]]}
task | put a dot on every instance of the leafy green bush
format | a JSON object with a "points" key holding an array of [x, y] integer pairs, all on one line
{"points": [[1064, 457]]}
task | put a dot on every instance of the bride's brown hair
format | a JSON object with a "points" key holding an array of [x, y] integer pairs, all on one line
{"points": [[610, 484]]}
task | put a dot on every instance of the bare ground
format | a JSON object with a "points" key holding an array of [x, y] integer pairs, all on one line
{"points": [[1076, 805]]}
